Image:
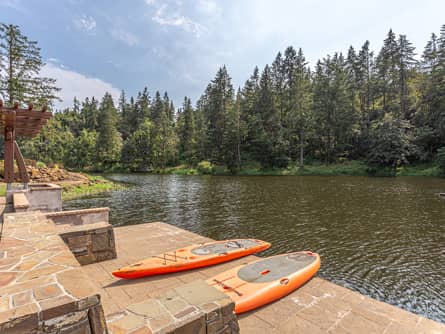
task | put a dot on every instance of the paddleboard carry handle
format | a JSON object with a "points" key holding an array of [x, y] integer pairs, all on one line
{"points": [[284, 281], [228, 287]]}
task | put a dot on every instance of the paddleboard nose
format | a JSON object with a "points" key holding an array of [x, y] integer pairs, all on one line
{"points": [[122, 273]]}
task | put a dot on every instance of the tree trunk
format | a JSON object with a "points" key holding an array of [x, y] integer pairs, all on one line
{"points": [[301, 148], [238, 155], [10, 70]]}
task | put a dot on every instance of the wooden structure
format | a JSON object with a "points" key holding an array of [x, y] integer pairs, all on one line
{"points": [[17, 122]]}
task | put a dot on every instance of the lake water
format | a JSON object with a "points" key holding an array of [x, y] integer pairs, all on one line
{"points": [[383, 237]]}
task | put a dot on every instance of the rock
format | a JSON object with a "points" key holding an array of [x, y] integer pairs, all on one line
{"points": [[51, 174]]}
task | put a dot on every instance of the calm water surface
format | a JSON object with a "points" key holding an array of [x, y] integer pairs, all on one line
{"points": [[383, 237]]}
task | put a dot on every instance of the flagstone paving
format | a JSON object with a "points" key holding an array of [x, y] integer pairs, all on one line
{"points": [[317, 307], [44, 288]]}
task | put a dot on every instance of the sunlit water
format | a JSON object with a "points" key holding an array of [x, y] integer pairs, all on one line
{"points": [[383, 237]]}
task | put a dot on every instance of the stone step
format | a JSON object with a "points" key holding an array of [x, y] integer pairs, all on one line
{"points": [[20, 201]]}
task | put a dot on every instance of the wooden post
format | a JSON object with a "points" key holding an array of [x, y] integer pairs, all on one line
{"points": [[24, 177], [9, 156]]}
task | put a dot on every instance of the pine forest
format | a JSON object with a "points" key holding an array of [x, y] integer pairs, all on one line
{"points": [[385, 108]]}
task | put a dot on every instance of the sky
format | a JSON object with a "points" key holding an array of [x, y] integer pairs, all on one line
{"points": [[94, 46]]}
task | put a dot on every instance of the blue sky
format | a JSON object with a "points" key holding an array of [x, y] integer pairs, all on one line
{"points": [[177, 45]]}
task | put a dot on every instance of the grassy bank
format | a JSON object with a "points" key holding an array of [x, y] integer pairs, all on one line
{"points": [[98, 184], [419, 170], [354, 168], [72, 190]]}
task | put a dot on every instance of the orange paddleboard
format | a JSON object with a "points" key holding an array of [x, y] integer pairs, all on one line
{"points": [[266, 280], [191, 257]]}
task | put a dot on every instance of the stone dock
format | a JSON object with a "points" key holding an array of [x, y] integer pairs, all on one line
{"points": [[55, 277], [317, 307]]}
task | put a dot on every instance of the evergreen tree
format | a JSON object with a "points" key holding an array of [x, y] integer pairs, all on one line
{"points": [[125, 114], [72, 118], [220, 103], [164, 140], [430, 55], [388, 74], [430, 113], [336, 122], [387, 109], [20, 65], [109, 141], [89, 114], [141, 110], [279, 81], [187, 133], [232, 137], [268, 146], [366, 90], [249, 118], [300, 113], [202, 125], [406, 66], [157, 108]]}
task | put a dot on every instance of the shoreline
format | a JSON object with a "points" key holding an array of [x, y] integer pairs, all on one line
{"points": [[74, 189], [98, 185], [349, 168]]}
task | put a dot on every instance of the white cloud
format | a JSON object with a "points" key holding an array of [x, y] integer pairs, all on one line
{"points": [[125, 37], [74, 84], [85, 23], [169, 13], [177, 20], [208, 7]]}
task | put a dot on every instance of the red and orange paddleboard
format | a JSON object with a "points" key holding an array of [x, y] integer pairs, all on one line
{"points": [[191, 257], [266, 280]]}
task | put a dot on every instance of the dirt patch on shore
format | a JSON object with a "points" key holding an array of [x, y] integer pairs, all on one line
{"points": [[39, 173]]}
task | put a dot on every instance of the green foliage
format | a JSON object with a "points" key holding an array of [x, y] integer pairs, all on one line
{"points": [[81, 153], [390, 144], [51, 145], [441, 160], [138, 147], [205, 167]]}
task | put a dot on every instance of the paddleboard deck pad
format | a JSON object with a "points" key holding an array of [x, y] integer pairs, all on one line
{"points": [[192, 257], [266, 280]]}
